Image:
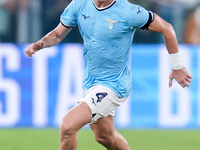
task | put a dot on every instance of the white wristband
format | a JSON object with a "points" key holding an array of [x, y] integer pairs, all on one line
{"points": [[175, 61]]}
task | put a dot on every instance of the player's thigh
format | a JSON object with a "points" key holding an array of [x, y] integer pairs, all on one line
{"points": [[77, 117], [104, 127]]}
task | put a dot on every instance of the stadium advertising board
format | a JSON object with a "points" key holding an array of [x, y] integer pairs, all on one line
{"points": [[37, 92]]}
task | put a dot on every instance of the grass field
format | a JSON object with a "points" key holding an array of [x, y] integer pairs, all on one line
{"points": [[48, 139]]}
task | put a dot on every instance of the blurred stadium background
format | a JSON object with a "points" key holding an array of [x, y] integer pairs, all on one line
{"points": [[36, 92]]}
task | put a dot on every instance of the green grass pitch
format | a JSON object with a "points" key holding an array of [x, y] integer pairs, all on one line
{"points": [[48, 139]]}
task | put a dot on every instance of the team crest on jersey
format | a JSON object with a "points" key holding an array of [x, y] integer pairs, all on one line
{"points": [[111, 24]]}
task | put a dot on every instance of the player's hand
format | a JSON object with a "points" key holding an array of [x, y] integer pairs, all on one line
{"points": [[181, 76], [34, 48]]}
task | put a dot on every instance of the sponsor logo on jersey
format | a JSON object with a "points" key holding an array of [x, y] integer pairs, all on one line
{"points": [[85, 17], [139, 11]]}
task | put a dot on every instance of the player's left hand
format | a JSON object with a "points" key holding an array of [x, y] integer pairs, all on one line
{"points": [[34, 48], [182, 76]]}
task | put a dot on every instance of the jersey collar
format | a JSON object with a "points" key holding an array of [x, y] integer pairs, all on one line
{"points": [[103, 8]]}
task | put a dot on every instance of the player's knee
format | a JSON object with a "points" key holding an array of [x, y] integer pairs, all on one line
{"points": [[66, 130], [104, 139]]}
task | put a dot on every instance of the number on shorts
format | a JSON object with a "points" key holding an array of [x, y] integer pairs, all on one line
{"points": [[100, 96]]}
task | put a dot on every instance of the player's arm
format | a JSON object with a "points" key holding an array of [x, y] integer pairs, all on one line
{"points": [[166, 29], [178, 71], [52, 38]]}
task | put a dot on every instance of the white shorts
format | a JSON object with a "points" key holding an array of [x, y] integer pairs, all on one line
{"points": [[102, 101]]}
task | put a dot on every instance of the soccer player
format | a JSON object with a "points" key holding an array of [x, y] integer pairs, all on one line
{"points": [[107, 28]]}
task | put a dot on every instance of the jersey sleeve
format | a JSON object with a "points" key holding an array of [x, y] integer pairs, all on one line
{"points": [[150, 20], [141, 18], [69, 16]]}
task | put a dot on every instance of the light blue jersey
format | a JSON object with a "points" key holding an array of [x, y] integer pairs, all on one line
{"points": [[107, 34]]}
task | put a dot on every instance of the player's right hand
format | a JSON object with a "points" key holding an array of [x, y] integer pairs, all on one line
{"points": [[34, 48], [182, 76]]}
